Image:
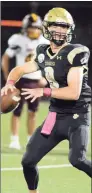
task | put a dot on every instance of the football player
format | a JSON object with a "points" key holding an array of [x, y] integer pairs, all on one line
{"points": [[64, 67], [23, 46]]}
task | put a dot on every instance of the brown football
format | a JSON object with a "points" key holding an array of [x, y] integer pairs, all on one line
{"points": [[10, 101]]}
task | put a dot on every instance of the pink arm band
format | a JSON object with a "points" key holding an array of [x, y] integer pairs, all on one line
{"points": [[47, 92], [10, 82]]}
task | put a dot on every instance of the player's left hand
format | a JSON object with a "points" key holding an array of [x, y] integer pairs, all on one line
{"points": [[32, 93]]}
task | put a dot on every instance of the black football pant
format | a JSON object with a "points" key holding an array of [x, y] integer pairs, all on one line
{"points": [[70, 127]]}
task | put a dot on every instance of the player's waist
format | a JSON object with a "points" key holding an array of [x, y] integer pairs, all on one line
{"points": [[70, 107]]}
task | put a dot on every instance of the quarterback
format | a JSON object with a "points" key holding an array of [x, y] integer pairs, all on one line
{"points": [[64, 68]]}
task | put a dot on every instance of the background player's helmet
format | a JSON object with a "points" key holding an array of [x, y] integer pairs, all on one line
{"points": [[32, 21], [58, 17]]}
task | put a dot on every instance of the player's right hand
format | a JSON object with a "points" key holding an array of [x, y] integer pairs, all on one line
{"points": [[7, 87]]}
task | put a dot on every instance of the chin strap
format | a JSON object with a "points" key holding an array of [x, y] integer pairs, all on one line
{"points": [[58, 42]]}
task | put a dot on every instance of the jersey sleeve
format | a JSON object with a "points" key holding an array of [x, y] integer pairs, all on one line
{"points": [[79, 56], [40, 56], [13, 46]]}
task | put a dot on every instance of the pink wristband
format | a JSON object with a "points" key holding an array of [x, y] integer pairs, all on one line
{"points": [[10, 82], [47, 92]]}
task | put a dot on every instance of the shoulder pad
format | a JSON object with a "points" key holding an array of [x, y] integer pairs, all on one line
{"points": [[42, 47], [76, 49], [13, 40]]}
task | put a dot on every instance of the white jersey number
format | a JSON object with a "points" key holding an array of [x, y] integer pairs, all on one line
{"points": [[49, 73]]}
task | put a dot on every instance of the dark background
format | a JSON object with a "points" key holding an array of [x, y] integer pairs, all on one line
{"points": [[81, 12]]}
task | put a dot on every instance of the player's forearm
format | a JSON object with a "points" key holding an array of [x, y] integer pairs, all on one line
{"points": [[19, 71], [65, 93], [15, 74], [5, 65]]}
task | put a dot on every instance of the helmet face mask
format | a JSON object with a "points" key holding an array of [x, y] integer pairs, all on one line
{"points": [[58, 17]]}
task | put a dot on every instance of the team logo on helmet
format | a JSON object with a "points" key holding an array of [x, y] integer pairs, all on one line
{"points": [[41, 58]]}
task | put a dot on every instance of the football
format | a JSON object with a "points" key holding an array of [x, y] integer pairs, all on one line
{"points": [[10, 101]]}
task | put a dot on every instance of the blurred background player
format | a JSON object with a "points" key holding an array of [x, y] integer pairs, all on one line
{"points": [[23, 46]]}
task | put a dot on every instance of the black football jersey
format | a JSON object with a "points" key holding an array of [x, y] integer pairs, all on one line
{"points": [[55, 68]]}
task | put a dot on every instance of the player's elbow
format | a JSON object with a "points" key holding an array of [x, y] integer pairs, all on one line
{"points": [[75, 95]]}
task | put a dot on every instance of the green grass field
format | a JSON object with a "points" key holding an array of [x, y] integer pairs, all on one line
{"points": [[56, 175]]}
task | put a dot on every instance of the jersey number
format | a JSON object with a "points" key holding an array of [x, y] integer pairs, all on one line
{"points": [[49, 73]]}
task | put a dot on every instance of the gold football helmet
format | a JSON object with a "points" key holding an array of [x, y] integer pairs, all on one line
{"points": [[58, 17]]}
